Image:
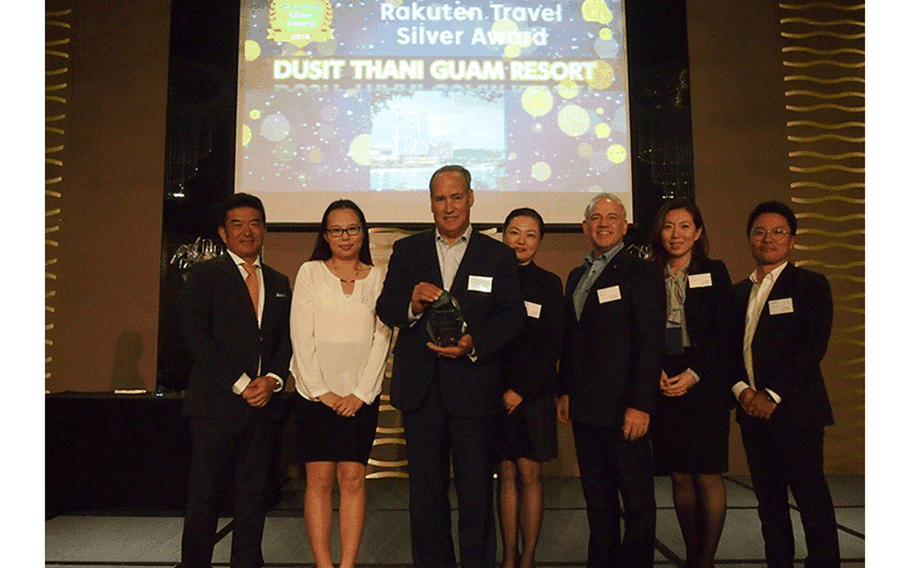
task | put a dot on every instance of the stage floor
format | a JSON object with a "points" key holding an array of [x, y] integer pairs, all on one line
{"points": [[136, 539]]}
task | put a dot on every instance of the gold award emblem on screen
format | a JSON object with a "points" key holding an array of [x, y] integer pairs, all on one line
{"points": [[300, 22]]}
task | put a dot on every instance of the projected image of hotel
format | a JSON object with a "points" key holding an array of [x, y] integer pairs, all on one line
{"points": [[409, 144]]}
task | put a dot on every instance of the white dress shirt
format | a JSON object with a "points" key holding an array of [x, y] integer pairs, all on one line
{"points": [[758, 297]]}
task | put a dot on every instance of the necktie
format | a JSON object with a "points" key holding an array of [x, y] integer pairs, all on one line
{"points": [[252, 284]]}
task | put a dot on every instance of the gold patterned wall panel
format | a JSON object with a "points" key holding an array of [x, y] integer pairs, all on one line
{"points": [[57, 89], [389, 455], [823, 56]]}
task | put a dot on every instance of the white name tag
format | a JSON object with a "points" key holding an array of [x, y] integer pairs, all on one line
{"points": [[610, 294], [480, 283], [781, 306], [532, 309], [700, 280]]}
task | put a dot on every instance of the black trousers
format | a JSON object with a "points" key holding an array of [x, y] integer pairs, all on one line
{"points": [[609, 467], [248, 445], [792, 458], [433, 437]]}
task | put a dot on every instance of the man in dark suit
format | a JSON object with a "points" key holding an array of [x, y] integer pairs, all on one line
{"points": [[235, 323], [450, 396], [609, 376], [783, 317]]}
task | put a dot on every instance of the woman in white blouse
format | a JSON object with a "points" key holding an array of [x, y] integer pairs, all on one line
{"points": [[340, 350]]}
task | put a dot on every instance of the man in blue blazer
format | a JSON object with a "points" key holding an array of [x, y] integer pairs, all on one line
{"points": [[783, 317], [608, 379], [235, 312], [450, 396]]}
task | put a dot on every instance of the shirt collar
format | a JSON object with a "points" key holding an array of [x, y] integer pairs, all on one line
{"points": [[606, 257], [463, 238], [681, 274], [773, 275], [239, 261]]}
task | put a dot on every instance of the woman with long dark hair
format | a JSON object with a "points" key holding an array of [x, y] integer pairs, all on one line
{"points": [[340, 350], [692, 417]]}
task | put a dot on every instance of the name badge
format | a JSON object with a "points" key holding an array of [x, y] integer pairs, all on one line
{"points": [[700, 280], [781, 306], [480, 284], [532, 309], [610, 294]]}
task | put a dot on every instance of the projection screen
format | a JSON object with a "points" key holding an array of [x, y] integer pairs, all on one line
{"points": [[365, 99]]}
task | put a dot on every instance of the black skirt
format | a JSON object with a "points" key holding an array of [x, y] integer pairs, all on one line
{"points": [[530, 431], [690, 433], [322, 435]]}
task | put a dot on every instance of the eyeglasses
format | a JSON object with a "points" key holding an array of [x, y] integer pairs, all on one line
{"points": [[338, 231], [777, 235]]}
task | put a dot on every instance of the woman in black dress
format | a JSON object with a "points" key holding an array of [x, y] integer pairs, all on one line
{"points": [[529, 423], [692, 418]]}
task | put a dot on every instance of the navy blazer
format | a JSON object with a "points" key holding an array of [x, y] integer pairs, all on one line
{"points": [[612, 357], [224, 340], [787, 348], [468, 388]]}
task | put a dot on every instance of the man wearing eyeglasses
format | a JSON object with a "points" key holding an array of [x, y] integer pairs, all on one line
{"points": [[784, 316]]}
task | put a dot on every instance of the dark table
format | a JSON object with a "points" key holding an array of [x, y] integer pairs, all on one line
{"points": [[106, 451], [121, 452]]}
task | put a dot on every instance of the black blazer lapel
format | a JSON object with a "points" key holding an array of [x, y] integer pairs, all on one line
{"points": [[783, 288], [466, 267], [431, 272], [694, 305], [571, 284], [268, 305], [741, 303]]}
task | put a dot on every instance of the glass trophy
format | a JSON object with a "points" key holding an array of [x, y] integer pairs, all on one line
{"points": [[445, 322]]}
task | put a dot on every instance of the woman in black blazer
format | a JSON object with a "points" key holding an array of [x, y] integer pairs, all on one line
{"points": [[691, 421], [528, 435]]}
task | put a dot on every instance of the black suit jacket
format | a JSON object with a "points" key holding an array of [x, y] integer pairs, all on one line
{"points": [[531, 359], [787, 348], [223, 338], [709, 312], [469, 389], [612, 357]]}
